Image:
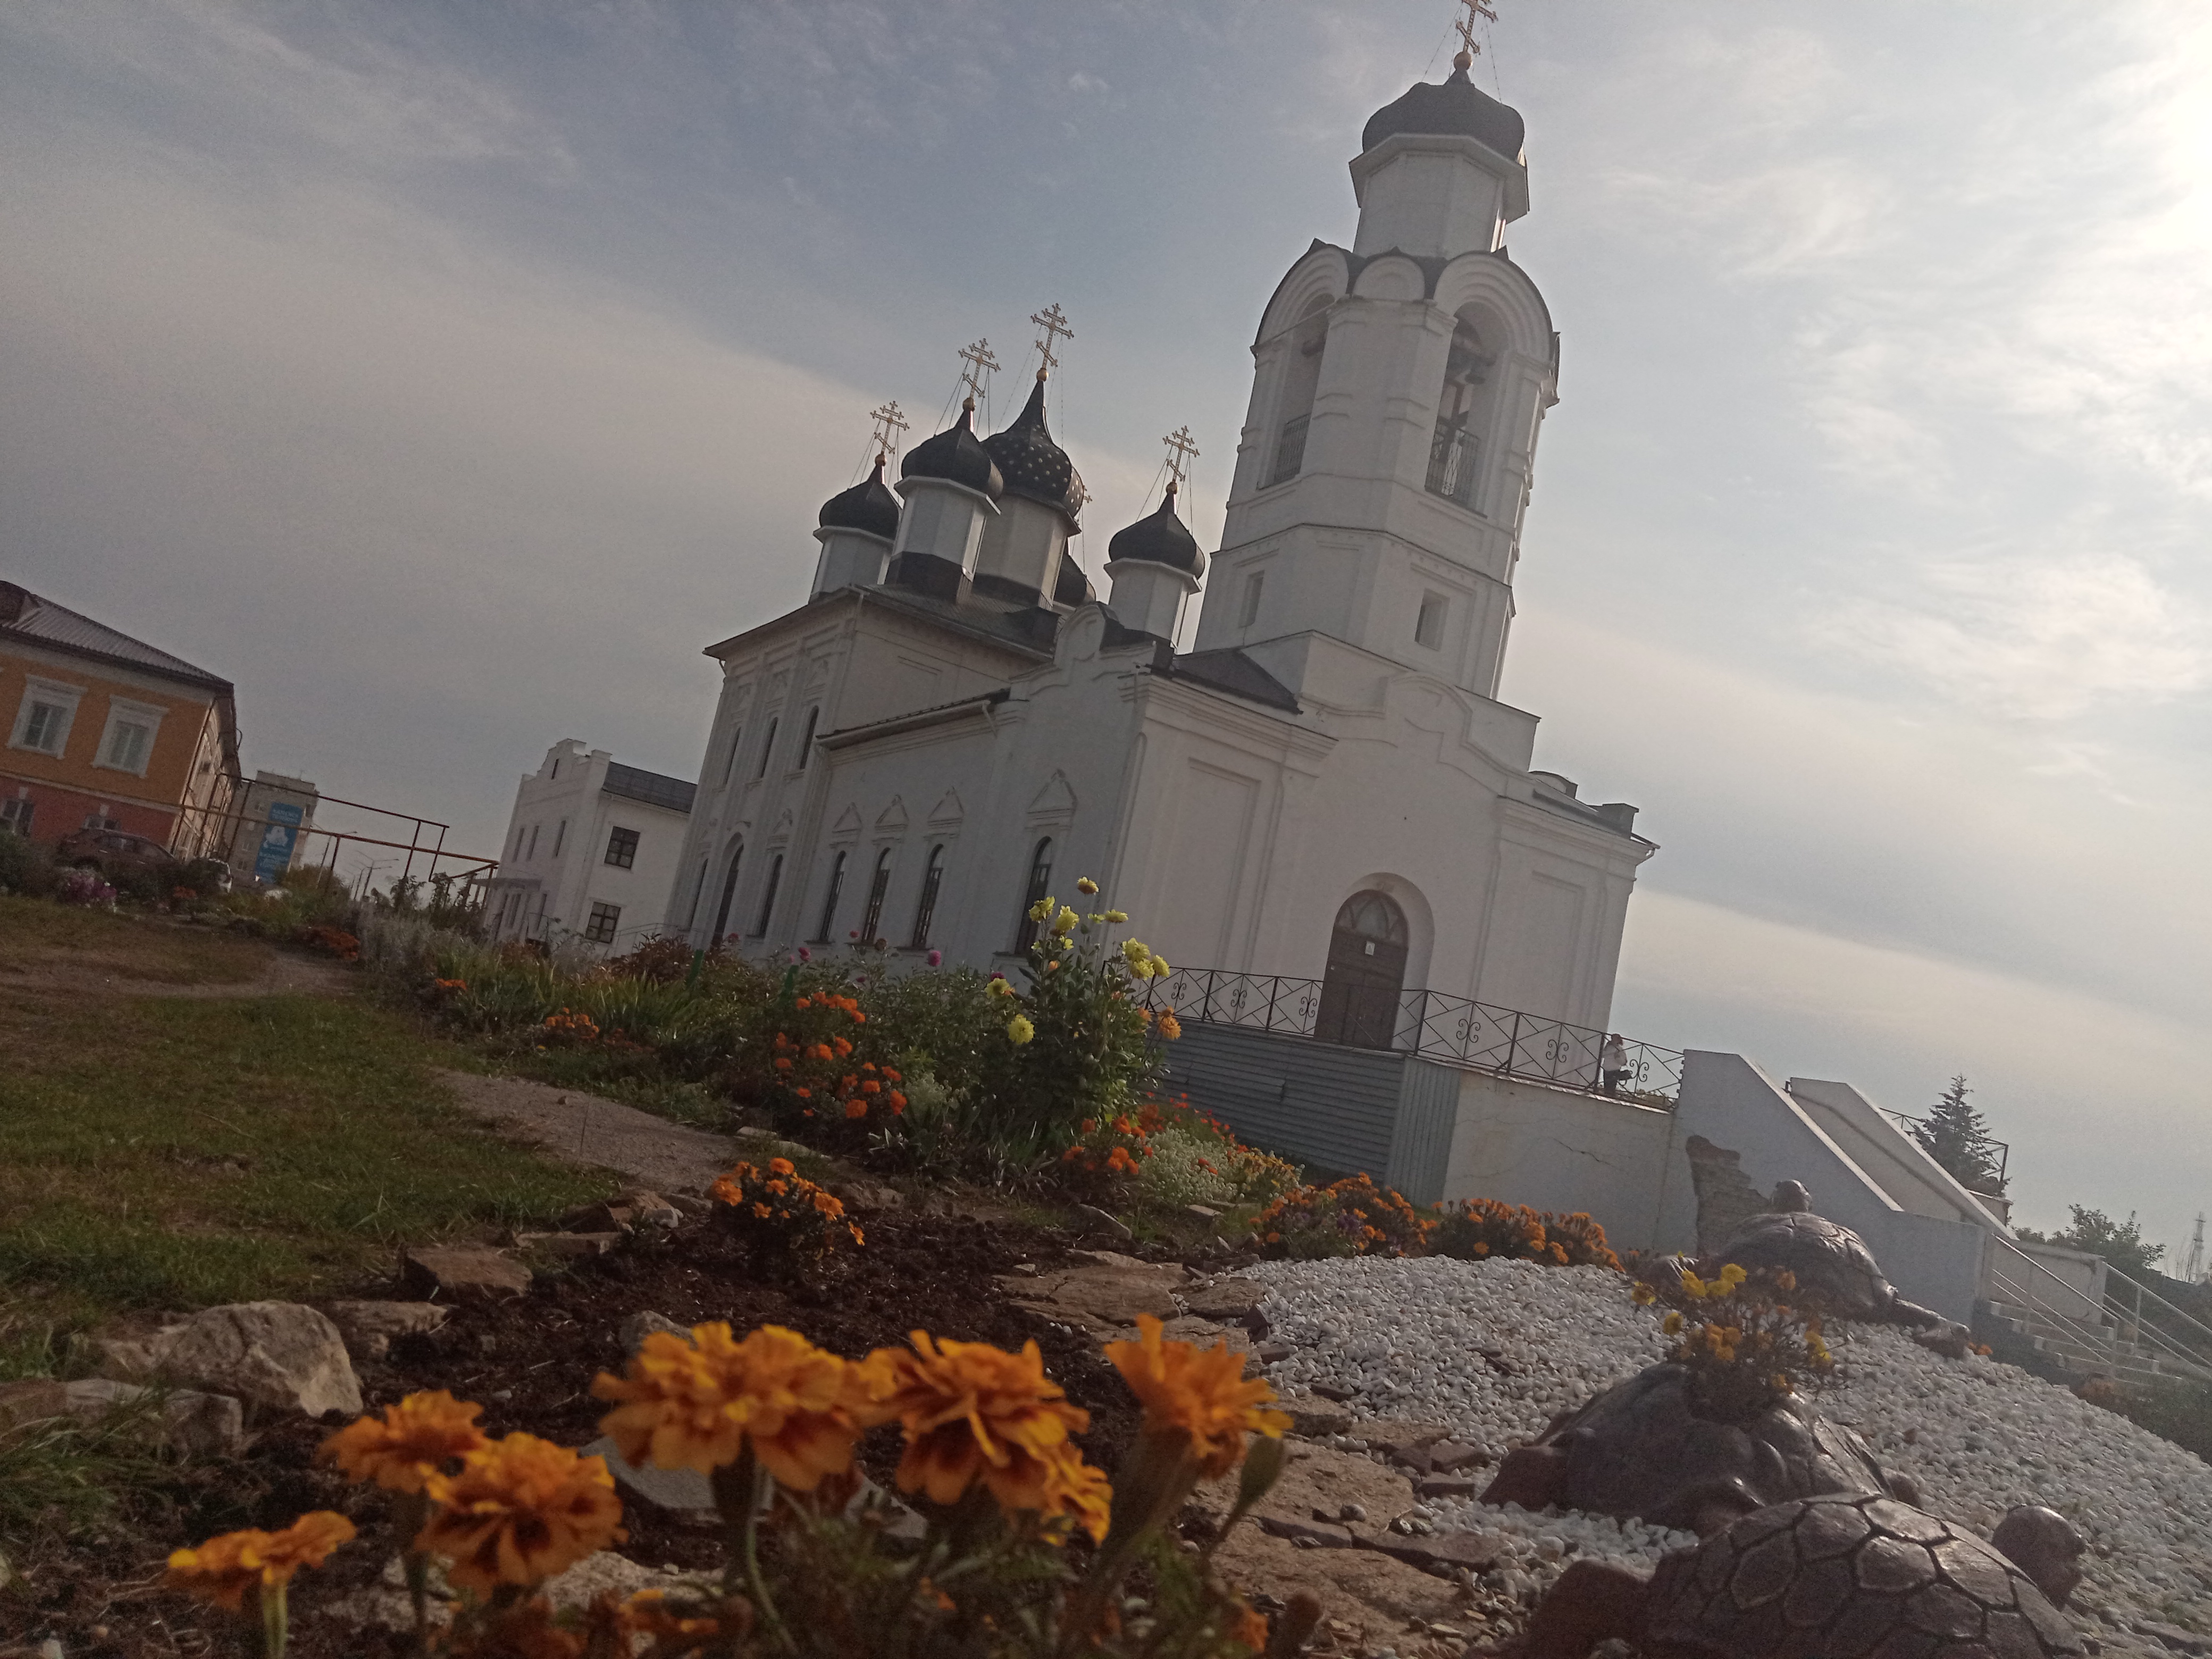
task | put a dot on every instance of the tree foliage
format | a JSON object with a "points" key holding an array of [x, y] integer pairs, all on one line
{"points": [[2120, 1242], [1955, 1135]]}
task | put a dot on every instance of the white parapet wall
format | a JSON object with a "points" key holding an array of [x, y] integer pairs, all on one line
{"points": [[1894, 1159], [1737, 1107], [1555, 1149]]}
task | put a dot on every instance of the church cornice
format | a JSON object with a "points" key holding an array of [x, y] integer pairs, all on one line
{"points": [[943, 713]]}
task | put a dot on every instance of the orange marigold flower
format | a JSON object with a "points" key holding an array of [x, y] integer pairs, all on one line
{"points": [[856, 1106], [521, 1509], [1200, 1395], [805, 1094], [802, 1003], [223, 1569], [898, 1102], [973, 1412], [406, 1445], [761, 1211], [844, 1048], [1081, 1492], [783, 1062], [858, 1019], [782, 1166], [1250, 1629], [1172, 1028], [696, 1404], [893, 1075], [872, 1087]]}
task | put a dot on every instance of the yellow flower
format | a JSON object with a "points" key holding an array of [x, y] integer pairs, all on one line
{"points": [[405, 1446], [1117, 917], [1019, 1031], [973, 1412], [1160, 968], [1643, 1296], [1086, 887], [1671, 1324], [1041, 908], [696, 1405], [1732, 1276], [521, 1509], [1137, 953], [1199, 1395], [223, 1569], [1064, 923], [1000, 988], [1786, 1280], [1170, 1027], [1691, 1284]]}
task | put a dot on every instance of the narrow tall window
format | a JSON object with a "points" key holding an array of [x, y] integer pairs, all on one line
{"points": [[554, 773], [559, 835], [1249, 613], [806, 739], [698, 892], [768, 751], [878, 886], [1040, 879], [1301, 380], [621, 849], [768, 893], [730, 764], [1455, 450], [1428, 628], [822, 933], [532, 853], [933, 878], [17, 815], [729, 893]]}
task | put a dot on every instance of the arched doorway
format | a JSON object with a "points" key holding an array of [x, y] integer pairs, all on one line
{"points": [[1366, 971]]}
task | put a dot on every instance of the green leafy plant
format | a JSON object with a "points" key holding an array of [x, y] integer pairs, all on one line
{"points": [[1745, 1348]]}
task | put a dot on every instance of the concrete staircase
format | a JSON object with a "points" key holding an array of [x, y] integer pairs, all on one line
{"points": [[2072, 1351]]}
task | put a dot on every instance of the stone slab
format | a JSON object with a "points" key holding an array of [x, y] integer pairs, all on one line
{"points": [[457, 1272]]}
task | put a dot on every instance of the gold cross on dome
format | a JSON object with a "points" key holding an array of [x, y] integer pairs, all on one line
{"points": [[1186, 452], [890, 421], [980, 362], [1465, 25], [1053, 325]]}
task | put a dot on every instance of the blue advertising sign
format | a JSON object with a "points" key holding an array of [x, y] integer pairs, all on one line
{"points": [[274, 857]]}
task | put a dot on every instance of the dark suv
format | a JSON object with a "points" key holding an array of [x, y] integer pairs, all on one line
{"points": [[113, 853]]}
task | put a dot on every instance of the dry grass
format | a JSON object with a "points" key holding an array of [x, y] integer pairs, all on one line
{"points": [[41, 941]]}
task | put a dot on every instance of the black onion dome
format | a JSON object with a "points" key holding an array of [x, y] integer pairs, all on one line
{"points": [[1071, 587], [1159, 539], [1456, 107], [958, 456], [868, 506], [1032, 465]]}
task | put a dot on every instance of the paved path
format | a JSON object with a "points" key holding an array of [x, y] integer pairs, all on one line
{"points": [[589, 1129]]}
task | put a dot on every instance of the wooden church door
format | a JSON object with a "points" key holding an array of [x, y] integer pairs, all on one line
{"points": [[1366, 971]]}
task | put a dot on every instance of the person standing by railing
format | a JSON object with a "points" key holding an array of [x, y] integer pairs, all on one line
{"points": [[1612, 1063]]}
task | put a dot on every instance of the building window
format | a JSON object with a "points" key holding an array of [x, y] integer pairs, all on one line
{"points": [[43, 721], [878, 887], [698, 892], [621, 849], [768, 893], [1428, 628], [1456, 449], [768, 751], [730, 765], [806, 740], [520, 830], [822, 933], [554, 773], [1040, 880], [1301, 380], [600, 929], [532, 853], [1250, 611], [1290, 450], [127, 743], [559, 835], [17, 815], [729, 892], [933, 878]]}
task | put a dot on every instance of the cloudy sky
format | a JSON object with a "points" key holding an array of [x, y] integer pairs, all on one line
{"points": [[448, 376]]}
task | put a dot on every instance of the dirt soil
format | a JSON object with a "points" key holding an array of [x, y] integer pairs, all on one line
{"points": [[530, 1362]]}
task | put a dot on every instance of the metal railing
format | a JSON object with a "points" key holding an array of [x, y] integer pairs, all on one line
{"points": [[1455, 1031], [1907, 1122], [1452, 455], [2100, 1336]]}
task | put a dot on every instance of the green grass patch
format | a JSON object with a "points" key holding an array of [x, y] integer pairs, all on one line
{"points": [[39, 937], [176, 1154]]}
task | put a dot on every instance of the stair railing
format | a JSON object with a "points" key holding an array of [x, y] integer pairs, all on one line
{"points": [[2099, 1337]]}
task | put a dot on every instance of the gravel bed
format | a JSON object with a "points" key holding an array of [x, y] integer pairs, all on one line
{"points": [[1494, 1349]]}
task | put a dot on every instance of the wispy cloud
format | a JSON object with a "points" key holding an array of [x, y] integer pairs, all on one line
{"points": [[2019, 639]]}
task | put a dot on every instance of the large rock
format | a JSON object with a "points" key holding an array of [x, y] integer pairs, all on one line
{"points": [[1104, 1296], [278, 1355], [199, 1424], [369, 1327], [458, 1272]]}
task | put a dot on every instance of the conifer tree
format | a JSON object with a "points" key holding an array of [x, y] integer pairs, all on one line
{"points": [[1955, 1135]]}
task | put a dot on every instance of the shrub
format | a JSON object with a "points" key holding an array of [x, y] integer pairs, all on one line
{"points": [[1745, 1348], [86, 887], [990, 1464], [1482, 1229], [1352, 1217], [331, 941], [783, 1220], [26, 866], [657, 961]]}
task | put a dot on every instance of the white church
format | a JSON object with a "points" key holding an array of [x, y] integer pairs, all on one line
{"points": [[1326, 785]]}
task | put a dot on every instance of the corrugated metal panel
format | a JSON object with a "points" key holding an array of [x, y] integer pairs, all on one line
{"points": [[1420, 1143], [1311, 1102]]}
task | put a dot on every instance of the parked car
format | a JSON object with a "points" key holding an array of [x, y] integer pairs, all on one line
{"points": [[113, 853]]}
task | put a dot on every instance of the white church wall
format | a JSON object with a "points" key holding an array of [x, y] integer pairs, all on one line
{"points": [[1892, 1157], [1553, 1149], [1562, 897]]}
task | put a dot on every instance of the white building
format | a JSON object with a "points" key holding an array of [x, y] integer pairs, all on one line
{"points": [[590, 854], [1326, 787]]}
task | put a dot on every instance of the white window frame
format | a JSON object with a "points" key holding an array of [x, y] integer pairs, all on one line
{"points": [[122, 711], [38, 690]]}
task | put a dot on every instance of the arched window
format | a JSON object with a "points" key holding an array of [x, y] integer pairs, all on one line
{"points": [[933, 877], [1040, 880], [1455, 452], [768, 893], [878, 886], [729, 892], [1301, 380], [730, 765], [768, 751], [822, 933], [1359, 991], [806, 739]]}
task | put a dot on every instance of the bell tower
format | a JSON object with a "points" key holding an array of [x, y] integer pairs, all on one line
{"points": [[1386, 458]]}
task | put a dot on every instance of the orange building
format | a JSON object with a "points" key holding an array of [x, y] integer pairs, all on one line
{"points": [[106, 730]]}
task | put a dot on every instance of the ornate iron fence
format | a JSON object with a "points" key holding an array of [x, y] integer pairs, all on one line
{"points": [[1455, 1030]]}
